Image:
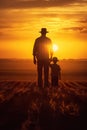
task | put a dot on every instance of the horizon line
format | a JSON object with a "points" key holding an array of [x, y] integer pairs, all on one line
{"points": [[32, 58]]}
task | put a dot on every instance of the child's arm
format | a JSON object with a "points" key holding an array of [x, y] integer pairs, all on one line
{"points": [[59, 73]]}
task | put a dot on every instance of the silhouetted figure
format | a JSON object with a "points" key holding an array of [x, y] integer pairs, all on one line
{"points": [[55, 72], [41, 54]]}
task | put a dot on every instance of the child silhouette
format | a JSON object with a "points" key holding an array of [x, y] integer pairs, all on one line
{"points": [[55, 72]]}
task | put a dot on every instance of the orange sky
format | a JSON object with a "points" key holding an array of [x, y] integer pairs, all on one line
{"points": [[21, 21]]}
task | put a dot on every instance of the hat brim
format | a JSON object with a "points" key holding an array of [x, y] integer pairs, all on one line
{"points": [[43, 32]]}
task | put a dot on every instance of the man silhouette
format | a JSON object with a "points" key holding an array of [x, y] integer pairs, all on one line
{"points": [[41, 54]]}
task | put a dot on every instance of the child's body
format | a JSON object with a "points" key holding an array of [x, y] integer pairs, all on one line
{"points": [[55, 72]]}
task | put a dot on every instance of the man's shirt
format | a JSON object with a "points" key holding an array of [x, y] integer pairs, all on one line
{"points": [[42, 48]]}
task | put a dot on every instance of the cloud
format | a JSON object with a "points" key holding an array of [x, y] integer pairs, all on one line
{"points": [[2, 26], [83, 21], [74, 28], [77, 29], [84, 30], [38, 3], [4, 35]]}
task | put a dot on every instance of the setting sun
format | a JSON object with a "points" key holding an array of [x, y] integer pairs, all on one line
{"points": [[22, 20], [55, 47]]}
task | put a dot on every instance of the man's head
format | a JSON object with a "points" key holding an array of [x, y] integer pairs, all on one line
{"points": [[43, 31]]}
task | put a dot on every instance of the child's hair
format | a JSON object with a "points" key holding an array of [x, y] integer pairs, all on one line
{"points": [[55, 59]]}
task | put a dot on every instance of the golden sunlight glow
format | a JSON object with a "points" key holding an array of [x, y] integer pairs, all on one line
{"points": [[66, 27], [55, 47]]}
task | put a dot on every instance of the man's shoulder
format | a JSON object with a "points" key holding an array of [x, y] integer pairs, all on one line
{"points": [[38, 38], [48, 38]]}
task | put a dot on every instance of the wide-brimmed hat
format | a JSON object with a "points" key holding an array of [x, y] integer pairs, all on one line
{"points": [[55, 59], [43, 30]]}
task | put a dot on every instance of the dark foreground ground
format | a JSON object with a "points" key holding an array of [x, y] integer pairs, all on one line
{"points": [[23, 106]]}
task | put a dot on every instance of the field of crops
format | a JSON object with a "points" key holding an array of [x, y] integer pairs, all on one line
{"points": [[24, 106]]}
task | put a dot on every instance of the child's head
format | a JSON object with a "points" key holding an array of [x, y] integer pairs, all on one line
{"points": [[55, 60]]}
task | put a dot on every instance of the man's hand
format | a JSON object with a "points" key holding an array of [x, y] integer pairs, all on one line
{"points": [[50, 59], [34, 60]]}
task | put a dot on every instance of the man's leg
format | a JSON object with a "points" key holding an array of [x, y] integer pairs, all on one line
{"points": [[39, 71], [52, 81], [46, 74], [55, 81]]}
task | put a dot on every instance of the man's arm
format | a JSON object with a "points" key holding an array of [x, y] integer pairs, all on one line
{"points": [[34, 52], [34, 59]]}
